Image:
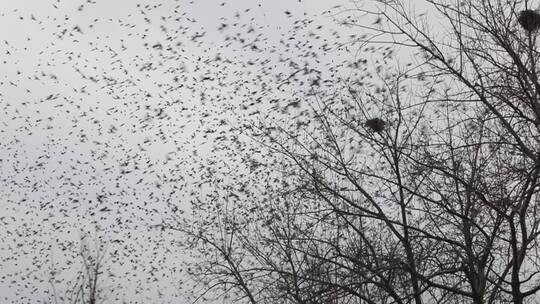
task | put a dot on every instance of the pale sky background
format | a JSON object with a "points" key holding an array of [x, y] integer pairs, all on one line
{"points": [[107, 108], [96, 134]]}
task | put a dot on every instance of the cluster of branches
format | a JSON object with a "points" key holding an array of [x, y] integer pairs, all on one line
{"points": [[82, 281], [420, 188]]}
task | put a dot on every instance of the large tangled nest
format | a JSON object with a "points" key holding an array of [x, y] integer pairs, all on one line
{"points": [[376, 124], [529, 20]]}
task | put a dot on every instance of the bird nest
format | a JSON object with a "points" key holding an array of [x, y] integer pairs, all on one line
{"points": [[376, 124], [529, 20]]}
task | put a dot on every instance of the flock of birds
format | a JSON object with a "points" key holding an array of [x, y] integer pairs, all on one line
{"points": [[111, 117]]}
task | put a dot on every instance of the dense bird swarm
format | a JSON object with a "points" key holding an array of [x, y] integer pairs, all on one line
{"points": [[115, 118], [140, 142]]}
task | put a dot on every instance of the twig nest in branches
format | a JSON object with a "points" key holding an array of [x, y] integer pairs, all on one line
{"points": [[376, 124], [529, 20]]}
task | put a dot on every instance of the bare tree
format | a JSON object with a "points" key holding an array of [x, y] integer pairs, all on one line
{"points": [[414, 183], [86, 284]]}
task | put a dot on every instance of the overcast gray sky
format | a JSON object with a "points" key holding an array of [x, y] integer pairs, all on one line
{"points": [[83, 146]]}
